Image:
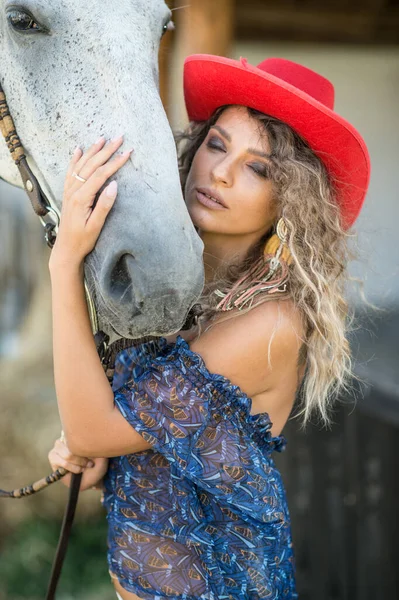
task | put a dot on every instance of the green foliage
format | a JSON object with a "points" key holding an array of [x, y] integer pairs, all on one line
{"points": [[26, 557]]}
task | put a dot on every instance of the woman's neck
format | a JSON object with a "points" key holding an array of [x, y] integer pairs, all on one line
{"points": [[220, 249]]}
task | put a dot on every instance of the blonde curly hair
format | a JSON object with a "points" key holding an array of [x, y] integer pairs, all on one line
{"points": [[307, 199]]}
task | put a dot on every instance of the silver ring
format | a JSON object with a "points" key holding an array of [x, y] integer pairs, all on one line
{"points": [[62, 437], [79, 178]]}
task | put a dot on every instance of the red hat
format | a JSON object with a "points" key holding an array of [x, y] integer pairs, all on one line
{"points": [[297, 96]]}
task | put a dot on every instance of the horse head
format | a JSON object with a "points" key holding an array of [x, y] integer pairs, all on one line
{"points": [[73, 71]]}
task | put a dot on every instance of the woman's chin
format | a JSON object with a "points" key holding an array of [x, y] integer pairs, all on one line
{"points": [[206, 220]]}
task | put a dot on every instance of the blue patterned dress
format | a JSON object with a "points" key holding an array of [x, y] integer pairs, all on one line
{"points": [[202, 515]]}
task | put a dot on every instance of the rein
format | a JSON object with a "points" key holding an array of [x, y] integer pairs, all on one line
{"points": [[50, 218]]}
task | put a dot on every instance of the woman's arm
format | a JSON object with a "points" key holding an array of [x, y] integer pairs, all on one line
{"points": [[85, 399]]}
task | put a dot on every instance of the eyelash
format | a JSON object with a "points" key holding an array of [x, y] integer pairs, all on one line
{"points": [[211, 144], [264, 172]]}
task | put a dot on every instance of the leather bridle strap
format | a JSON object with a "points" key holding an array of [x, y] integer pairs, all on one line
{"points": [[36, 195]]}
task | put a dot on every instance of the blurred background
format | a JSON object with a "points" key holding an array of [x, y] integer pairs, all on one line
{"points": [[342, 484]]}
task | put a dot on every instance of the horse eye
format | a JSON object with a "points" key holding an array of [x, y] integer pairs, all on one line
{"points": [[22, 21], [169, 26]]}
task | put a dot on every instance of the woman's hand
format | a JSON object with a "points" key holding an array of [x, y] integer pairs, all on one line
{"points": [[81, 218], [93, 469]]}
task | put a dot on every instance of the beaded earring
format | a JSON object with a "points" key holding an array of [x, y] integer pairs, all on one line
{"points": [[269, 275], [276, 245]]}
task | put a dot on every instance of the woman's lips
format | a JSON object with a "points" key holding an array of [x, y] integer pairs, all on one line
{"points": [[208, 202]]}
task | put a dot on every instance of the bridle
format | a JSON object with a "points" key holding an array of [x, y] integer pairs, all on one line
{"points": [[49, 215]]}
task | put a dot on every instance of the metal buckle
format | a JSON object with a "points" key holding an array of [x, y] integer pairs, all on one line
{"points": [[51, 223]]}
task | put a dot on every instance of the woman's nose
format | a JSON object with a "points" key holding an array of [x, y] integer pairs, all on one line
{"points": [[222, 172]]}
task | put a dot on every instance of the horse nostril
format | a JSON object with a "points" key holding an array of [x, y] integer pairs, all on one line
{"points": [[121, 283]]}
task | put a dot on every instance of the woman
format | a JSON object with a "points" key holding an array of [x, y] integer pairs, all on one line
{"points": [[272, 178]]}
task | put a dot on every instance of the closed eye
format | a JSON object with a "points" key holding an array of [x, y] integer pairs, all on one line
{"points": [[216, 144], [261, 170]]}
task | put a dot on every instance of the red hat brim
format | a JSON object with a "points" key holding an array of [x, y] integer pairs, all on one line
{"points": [[214, 81]]}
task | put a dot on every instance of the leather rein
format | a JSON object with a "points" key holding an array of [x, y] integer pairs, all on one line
{"points": [[50, 218]]}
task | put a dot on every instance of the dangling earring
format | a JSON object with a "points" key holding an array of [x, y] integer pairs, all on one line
{"points": [[276, 245], [269, 274]]}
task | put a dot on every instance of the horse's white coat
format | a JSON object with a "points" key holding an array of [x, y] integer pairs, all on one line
{"points": [[96, 72]]}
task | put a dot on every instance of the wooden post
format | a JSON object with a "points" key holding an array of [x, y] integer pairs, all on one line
{"points": [[204, 26], [164, 63], [165, 59]]}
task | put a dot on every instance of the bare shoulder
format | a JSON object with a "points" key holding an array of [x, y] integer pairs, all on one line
{"points": [[254, 350]]}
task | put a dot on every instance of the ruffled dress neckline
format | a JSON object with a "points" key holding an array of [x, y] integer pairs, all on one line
{"points": [[162, 352]]}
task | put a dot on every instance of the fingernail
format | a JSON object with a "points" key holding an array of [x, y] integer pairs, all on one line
{"points": [[127, 152], [112, 189], [100, 139], [117, 138], [77, 150], [90, 464]]}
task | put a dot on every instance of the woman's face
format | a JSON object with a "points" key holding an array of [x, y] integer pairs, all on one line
{"points": [[232, 166]]}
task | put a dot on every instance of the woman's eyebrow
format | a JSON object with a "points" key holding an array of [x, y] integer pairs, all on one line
{"points": [[224, 133], [259, 153]]}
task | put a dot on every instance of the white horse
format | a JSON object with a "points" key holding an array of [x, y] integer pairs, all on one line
{"points": [[73, 71]]}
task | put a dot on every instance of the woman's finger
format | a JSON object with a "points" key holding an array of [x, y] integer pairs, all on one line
{"points": [[87, 164], [92, 151], [77, 153], [57, 461], [100, 158], [71, 183], [63, 451], [89, 190], [65, 464], [104, 204]]}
